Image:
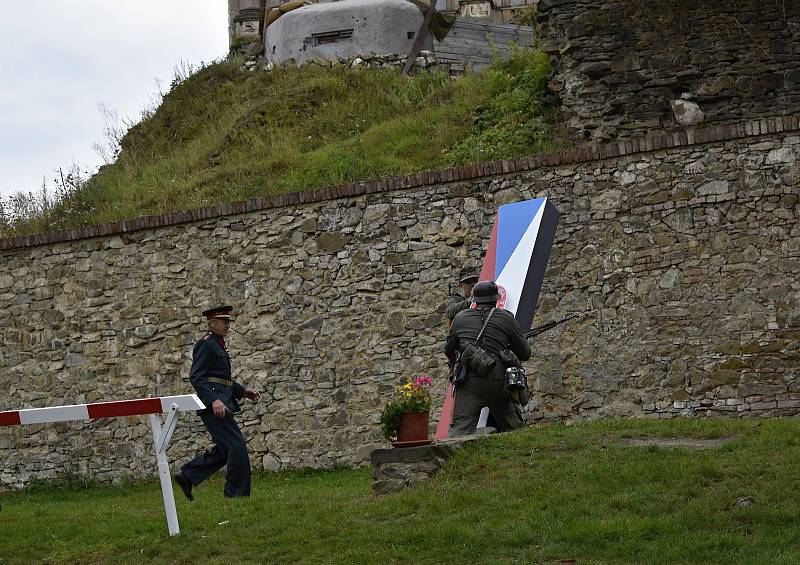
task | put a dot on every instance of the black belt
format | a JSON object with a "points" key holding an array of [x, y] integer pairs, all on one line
{"points": [[225, 382]]}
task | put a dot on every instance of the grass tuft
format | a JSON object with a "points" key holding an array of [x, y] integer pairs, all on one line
{"points": [[223, 134]]}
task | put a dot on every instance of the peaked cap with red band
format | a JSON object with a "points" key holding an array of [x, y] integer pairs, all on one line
{"points": [[223, 312]]}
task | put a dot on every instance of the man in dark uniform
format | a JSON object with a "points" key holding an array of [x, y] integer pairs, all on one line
{"points": [[458, 302], [211, 378], [500, 332]]}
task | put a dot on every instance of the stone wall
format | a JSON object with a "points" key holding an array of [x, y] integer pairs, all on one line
{"points": [[682, 251], [619, 63]]}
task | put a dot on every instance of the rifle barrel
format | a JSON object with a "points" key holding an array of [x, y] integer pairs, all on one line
{"points": [[548, 326]]}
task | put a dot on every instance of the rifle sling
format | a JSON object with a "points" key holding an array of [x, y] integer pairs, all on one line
{"points": [[480, 334]]}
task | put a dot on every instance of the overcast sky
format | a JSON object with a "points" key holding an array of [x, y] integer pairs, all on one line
{"points": [[61, 58]]}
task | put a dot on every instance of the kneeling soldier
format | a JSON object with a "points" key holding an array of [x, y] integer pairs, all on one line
{"points": [[480, 335], [211, 378]]}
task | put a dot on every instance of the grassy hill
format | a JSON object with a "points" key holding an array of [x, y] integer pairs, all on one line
{"points": [[605, 492], [226, 134]]}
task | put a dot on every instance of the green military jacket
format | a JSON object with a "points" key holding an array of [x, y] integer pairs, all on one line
{"points": [[502, 332], [455, 304]]}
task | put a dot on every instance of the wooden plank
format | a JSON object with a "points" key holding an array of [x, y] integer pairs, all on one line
{"points": [[469, 41], [475, 34], [471, 47], [495, 31], [482, 41], [467, 61], [466, 58], [423, 32], [484, 31], [491, 25], [509, 28], [473, 57], [468, 52]]}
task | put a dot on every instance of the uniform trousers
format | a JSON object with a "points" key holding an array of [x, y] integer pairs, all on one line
{"points": [[472, 396], [229, 449]]}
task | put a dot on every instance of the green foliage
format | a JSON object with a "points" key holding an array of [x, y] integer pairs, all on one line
{"points": [[243, 40], [39, 211], [516, 117], [529, 16], [411, 396], [390, 420], [224, 134]]}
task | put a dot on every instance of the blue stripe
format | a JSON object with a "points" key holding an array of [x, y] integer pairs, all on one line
{"points": [[513, 221]]}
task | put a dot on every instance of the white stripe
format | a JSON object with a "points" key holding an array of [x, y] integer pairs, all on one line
{"points": [[54, 414], [513, 275], [185, 403]]}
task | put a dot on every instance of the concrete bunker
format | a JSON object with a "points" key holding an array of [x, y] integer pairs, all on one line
{"points": [[344, 30]]}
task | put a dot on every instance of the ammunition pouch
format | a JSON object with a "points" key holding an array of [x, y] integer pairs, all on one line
{"points": [[478, 360], [510, 359]]}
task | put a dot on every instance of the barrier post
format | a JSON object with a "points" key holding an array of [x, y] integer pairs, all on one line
{"points": [[151, 407], [161, 437]]}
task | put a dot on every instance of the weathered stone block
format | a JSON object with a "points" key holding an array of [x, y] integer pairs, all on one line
{"points": [[687, 113], [331, 242]]}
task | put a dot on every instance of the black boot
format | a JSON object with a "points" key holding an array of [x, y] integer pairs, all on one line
{"points": [[185, 484]]}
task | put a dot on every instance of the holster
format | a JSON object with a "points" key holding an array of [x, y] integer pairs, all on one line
{"points": [[458, 376]]}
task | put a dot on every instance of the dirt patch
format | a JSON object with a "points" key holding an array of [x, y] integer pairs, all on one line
{"points": [[675, 442]]}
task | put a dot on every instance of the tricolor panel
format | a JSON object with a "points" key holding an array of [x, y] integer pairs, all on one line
{"points": [[517, 256]]}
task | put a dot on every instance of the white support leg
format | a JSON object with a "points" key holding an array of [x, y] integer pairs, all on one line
{"points": [[484, 416], [168, 428], [161, 442]]}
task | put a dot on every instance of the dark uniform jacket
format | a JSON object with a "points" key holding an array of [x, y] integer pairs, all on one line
{"points": [[455, 304], [210, 360], [502, 332]]}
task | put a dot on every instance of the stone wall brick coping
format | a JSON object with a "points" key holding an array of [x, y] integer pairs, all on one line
{"points": [[588, 153]]}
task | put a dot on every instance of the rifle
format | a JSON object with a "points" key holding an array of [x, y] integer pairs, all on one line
{"points": [[533, 332]]}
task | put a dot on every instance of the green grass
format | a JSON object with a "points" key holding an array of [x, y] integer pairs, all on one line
{"points": [[224, 134], [537, 496]]}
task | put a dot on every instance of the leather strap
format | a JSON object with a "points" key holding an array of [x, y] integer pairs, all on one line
{"points": [[225, 382], [480, 334]]}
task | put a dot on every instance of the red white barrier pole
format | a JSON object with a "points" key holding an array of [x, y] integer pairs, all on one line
{"points": [[171, 405]]}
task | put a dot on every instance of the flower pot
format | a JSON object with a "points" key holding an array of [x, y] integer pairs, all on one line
{"points": [[413, 427]]}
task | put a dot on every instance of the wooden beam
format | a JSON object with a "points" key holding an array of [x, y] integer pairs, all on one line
{"points": [[424, 29]]}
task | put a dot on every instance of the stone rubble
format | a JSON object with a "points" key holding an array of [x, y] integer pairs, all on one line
{"points": [[426, 60]]}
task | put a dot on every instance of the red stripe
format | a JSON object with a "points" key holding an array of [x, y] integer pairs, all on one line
{"points": [[489, 261], [9, 419], [447, 413], [124, 408]]}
